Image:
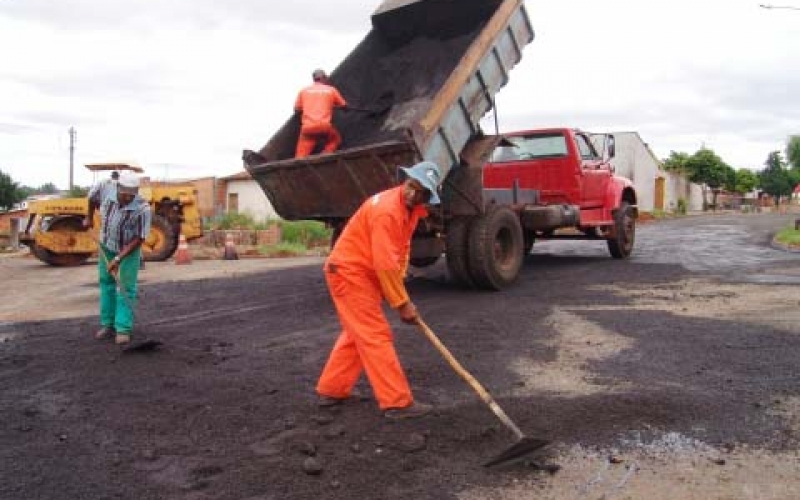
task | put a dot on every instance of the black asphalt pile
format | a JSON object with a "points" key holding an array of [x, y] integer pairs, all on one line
{"points": [[407, 79]]}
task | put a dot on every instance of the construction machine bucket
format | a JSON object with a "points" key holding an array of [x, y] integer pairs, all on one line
{"points": [[401, 20]]}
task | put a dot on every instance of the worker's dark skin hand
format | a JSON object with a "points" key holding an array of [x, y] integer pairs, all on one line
{"points": [[408, 313]]}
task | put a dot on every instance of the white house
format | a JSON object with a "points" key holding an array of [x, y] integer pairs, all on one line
{"points": [[244, 195], [657, 189]]}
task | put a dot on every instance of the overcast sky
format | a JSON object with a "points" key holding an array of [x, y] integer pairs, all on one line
{"points": [[182, 86]]}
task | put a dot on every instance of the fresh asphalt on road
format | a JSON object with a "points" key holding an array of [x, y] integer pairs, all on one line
{"points": [[583, 349]]}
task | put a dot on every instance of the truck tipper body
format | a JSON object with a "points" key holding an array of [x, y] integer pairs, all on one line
{"points": [[429, 71]]}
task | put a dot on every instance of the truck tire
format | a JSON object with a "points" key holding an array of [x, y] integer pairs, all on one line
{"points": [[162, 241], [456, 248], [495, 248], [423, 261], [621, 244], [61, 225]]}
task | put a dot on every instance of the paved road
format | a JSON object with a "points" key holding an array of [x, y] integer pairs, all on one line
{"points": [[680, 362]]}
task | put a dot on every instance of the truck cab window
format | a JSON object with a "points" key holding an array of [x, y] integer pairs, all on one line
{"points": [[587, 150]]}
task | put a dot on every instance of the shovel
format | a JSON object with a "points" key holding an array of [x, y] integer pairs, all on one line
{"points": [[524, 444]]}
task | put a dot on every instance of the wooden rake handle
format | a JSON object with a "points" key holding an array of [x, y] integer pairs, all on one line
{"points": [[467, 376]]}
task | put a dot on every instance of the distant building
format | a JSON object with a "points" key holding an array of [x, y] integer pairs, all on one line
{"points": [[657, 189], [243, 194]]}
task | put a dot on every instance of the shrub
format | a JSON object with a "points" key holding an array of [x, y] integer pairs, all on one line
{"points": [[308, 233], [238, 220], [683, 207]]}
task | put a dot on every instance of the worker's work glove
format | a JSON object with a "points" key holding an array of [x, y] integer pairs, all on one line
{"points": [[87, 223], [408, 313]]}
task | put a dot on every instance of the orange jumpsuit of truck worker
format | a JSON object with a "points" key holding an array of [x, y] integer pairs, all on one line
{"points": [[367, 264], [316, 103]]}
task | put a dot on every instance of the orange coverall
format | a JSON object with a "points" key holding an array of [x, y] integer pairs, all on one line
{"points": [[367, 264], [316, 103]]}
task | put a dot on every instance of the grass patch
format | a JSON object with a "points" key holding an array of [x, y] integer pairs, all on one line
{"points": [[309, 233], [283, 249], [789, 236]]}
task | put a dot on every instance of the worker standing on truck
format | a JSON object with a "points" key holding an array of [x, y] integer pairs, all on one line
{"points": [[315, 104], [125, 224], [98, 194], [366, 266]]}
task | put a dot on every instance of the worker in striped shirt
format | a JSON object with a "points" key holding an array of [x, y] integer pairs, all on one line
{"points": [[98, 194], [125, 224]]}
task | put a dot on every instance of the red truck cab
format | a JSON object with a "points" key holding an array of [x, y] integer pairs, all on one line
{"points": [[565, 168]]}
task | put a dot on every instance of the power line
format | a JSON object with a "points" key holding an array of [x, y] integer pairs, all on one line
{"points": [[789, 7]]}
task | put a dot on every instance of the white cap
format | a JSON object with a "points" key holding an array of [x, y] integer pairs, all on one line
{"points": [[128, 183]]}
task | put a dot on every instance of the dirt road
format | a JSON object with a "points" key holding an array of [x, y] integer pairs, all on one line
{"points": [[671, 375]]}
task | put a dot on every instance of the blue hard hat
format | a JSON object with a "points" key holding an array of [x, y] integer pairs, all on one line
{"points": [[429, 175]]}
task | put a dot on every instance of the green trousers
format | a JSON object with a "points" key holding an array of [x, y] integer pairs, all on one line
{"points": [[115, 311]]}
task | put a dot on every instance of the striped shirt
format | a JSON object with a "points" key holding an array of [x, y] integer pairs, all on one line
{"points": [[121, 224], [103, 190]]}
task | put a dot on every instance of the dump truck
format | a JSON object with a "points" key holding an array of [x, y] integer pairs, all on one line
{"points": [[56, 236], [429, 70]]}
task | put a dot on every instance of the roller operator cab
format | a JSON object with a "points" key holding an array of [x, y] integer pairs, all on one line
{"points": [[544, 183]]}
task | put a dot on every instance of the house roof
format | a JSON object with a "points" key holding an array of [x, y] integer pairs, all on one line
{"points": [[241, 176]]}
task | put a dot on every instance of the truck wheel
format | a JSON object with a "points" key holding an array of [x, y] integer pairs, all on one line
{"points": [[456, 248], [621, 244], [162, 241], [423, 261], [495, 248], [61, 225]]}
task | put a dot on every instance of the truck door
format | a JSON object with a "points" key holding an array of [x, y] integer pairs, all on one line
{"points": [[595, 174]]}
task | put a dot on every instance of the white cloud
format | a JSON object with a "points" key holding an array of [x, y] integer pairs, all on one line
{"points": [[182, 86]]}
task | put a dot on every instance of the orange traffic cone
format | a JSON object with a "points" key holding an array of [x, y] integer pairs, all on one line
{"points": [[230, 249], [182, 256]]}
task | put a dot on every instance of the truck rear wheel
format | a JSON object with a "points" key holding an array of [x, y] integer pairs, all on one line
{"points": [[162, 241], [621, 244], [456, 247], [495, 248]]}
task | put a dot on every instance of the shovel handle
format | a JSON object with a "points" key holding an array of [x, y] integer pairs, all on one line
{"points": [[467, 376]]}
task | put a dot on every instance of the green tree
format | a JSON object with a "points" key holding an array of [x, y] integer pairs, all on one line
{"points": [[47, 188], [775, 178], [705, 167], [676, 162], [78, 192], [793, 151], [9, 192], [746, 181]]}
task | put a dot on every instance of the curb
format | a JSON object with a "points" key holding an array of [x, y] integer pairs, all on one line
{"points": [[777, 245]]}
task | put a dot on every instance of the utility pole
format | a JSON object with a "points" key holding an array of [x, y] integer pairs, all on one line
{"points": [[72, 135]]}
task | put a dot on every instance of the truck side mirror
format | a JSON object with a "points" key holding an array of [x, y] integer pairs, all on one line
{"points": [[611, 147]]}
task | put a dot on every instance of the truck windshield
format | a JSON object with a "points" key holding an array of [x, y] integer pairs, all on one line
{"points": [[530, 147]]}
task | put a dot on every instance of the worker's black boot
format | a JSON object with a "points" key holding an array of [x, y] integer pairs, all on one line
{"points": [[416, 409]]}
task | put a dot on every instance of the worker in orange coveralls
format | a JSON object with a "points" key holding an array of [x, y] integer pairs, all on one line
{"points": [[366, 266], [315, 104]]}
